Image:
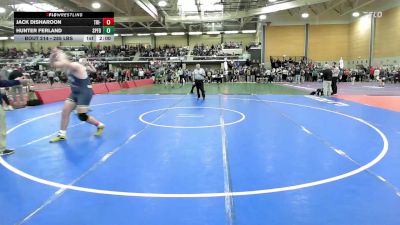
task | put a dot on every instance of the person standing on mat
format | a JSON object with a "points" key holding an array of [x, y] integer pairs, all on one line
{"points": [[193, 84], [7, 83], [198, 77], [81, 94], [327, 82], [335, 78]]}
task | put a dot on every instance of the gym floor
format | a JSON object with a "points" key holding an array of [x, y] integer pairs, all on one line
{"points": [[231, 159]]}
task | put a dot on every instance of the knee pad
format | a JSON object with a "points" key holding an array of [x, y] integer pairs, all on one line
{"points": [[83, 116]]}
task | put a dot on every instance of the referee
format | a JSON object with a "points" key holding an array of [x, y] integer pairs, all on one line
{"points": [[198, 77], [7, 83], [335, 78]]}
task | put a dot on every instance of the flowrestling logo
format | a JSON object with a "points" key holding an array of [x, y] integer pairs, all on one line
{"points": [[378, 14]]}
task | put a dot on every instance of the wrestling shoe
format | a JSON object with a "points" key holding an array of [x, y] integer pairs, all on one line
{"points": [[6, 152], [100, 130], [58, 138]]}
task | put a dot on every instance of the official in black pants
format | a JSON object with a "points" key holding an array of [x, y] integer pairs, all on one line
{"points": [[334, 85], [193, 86], [200, 86], [198, 77], [335, 78]]}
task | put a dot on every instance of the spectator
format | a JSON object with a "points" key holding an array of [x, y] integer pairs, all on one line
{"points": [[5, 72], [382, 77], [376, 73], [51, 75], [16, 89], [141, 74], [297, 71]]}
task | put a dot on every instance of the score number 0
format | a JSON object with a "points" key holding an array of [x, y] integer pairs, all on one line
{"points": [[108, 25], [108, 21]]}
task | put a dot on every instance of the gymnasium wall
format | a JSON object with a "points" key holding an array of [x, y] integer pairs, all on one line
{"points": [[328, 42], [387, 35], [284, 40], [359, 38]]}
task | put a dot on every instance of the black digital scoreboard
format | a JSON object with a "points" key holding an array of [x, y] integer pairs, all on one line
{"points": [[64, 26]]}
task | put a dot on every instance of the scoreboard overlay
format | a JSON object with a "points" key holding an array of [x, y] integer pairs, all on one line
{"points": [[64, 26]]}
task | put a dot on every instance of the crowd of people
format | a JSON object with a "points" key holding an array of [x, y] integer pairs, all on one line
{"points": [[232, 44], [301, 70], [165, 51], [202, 51], [13, 53], [207, 51], [170, 75], [126, 50], [251, 71], [16, 92], [113, 50], [296, 70]]}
